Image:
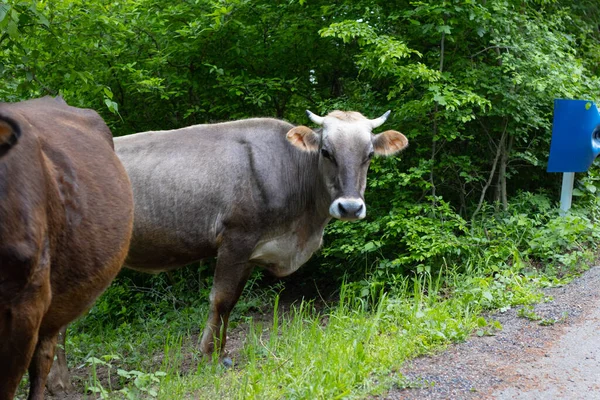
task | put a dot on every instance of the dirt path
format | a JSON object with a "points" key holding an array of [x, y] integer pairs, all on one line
{"points": [[525, 360]]}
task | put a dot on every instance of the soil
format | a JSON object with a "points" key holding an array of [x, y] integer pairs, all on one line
{"points": [[557, 357], [554, 357]]}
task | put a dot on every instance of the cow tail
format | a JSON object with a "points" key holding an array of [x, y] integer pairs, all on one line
{"points": [[9, 134]]}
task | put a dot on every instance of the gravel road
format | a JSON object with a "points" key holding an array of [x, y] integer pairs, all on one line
{"points": [[525, 360]]}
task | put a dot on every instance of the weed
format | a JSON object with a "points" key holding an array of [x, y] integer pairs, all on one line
{"points": [[487, 328], [144, 384], [529, 313], [135, 384], [552, 321]]}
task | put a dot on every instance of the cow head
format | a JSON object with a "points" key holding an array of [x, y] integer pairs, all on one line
{"points": [[346, 146]]}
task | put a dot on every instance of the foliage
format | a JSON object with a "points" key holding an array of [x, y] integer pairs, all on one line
{"points": [[417, 241]]}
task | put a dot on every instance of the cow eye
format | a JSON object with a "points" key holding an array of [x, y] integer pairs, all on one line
{"points": [[329, 156], [371, 154]]}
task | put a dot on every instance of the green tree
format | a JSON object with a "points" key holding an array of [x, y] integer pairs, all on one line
{"points": [[471, 83]]}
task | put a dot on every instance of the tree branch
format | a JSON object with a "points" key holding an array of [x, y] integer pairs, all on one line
{"points": [[492, 47], [492, 172], [435, 127]]}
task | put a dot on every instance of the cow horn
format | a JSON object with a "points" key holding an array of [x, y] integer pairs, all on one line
{"points": [[379, 121], [315, 118]]}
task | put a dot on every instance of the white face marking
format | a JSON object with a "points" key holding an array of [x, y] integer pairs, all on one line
{"points": [[334, 127]]}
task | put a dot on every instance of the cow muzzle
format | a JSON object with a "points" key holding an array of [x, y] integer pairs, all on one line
{"points": [[348, 209]]}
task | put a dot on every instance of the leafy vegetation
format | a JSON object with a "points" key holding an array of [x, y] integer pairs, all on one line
{"points": [[462, 222]]}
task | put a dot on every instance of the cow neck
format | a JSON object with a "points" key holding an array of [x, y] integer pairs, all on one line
{"points": [[313, 197]]}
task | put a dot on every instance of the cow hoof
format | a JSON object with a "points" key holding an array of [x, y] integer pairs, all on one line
{"points": [[59, 387], [227, 363], [58, 382]]}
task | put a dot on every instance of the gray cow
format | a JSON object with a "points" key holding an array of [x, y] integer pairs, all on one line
{"points": [[251, 192]]}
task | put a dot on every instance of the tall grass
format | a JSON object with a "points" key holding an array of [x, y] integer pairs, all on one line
{"points": [[351, 350]]}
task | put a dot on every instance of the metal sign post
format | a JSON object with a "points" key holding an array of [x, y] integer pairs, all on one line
{"points": [[566, 193]]}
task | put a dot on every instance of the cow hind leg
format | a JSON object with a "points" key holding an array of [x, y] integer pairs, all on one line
{"points": [[40, 365], [58, 379], [231, 276]]}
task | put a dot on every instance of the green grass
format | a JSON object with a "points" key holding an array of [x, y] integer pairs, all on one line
{"points": [[349, 350], [346, 352]]}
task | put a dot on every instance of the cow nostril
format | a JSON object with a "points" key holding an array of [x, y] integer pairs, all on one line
{"points": [[342, 209], [359, 209]]}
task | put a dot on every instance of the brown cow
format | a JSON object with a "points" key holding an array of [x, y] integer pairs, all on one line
{"points": [[66, 211]]}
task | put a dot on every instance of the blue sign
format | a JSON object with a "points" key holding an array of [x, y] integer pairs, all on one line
{"points": [[575, 136]]}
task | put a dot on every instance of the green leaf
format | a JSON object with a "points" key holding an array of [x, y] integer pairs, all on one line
{"points": [[113, 107], [3, 11], [12, 29], [487, 295], [440, 99], [43, 20], [444, 29], [369, 246]]}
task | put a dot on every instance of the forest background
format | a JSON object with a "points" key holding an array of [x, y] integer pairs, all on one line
{"points": [[465, 220]]}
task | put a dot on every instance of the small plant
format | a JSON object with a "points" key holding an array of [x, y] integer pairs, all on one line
{"points": [[95, 386], [552, 321], [529, 313], [144, 383], [487, 328]]}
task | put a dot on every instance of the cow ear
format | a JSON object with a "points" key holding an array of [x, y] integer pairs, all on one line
{"points": [[6, 132], [304, 138], [389, 142]]}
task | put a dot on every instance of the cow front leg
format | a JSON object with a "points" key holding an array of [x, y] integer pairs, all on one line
{"points": [[230, 278], [20, 319], [19, 332], [40, 365], [58, 379]]}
